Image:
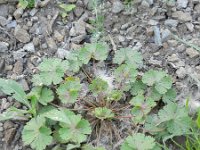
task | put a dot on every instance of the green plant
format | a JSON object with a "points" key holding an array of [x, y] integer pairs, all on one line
{"points": [[103, 113], [58, 111], [98, 21], [193, 139], [65, 9], [26, 3], [139, 141]]}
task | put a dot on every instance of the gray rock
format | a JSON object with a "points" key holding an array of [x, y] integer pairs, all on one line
{"points": [[2, 66], [18, 67], [3, 47], [33, 12], [51, 43], [166, 34], [58, 36], [3, 21], [19, 54], [155, 62], [173, 58], [78, 28], [117, 7], [62, 53], [182, 3], [192, 53], [121, 38], [152, 22], [181, 72], [78, 39], [157, 37], [182, 16], [190, 26], [150, 2], [4, 104], [78, 11], [171, 22], [145, 3], [18, 13], [9, 135], [29, 47], [22, 35], [4, 10], [24, 84], [12, 24]]}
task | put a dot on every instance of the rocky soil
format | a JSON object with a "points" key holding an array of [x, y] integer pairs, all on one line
{"points": [[162, 30]]}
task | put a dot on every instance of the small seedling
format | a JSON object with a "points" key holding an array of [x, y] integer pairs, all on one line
{"points": [[65, 9]]}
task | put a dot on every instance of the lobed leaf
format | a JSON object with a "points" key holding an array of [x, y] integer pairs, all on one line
{"points": [[68, 92], [36, 134], [51, 72], [125, 76], [15, 90], [138, 141], [97, 51], [129, 56], [42, 94]]}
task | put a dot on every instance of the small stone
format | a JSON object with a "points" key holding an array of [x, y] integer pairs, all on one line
{"points": [[36, 41], [166, 34], [78, 39], [121, 38], [29, 47], [22, 35], [173, 58], [172, 43], [59, 37], [157, 37], [3, 21], [190, 26], [9, 135], [33, 12], [17, 104], [51, 43], [182, 3], [62, 53], [19, 54], [1, 129], [18, 67], [117, 7], [78, 28], [78, 11], [155, 62], [152, 22], [145, 3], [192, 53], [171, 22], [8, 125], [4, 104], [182, 16], [44, 46], [12, 24], [18, 13], [181, 72], [4, 10], [150, 2], [125, 26], [24, 84], [150, 31], [3, 47]]}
